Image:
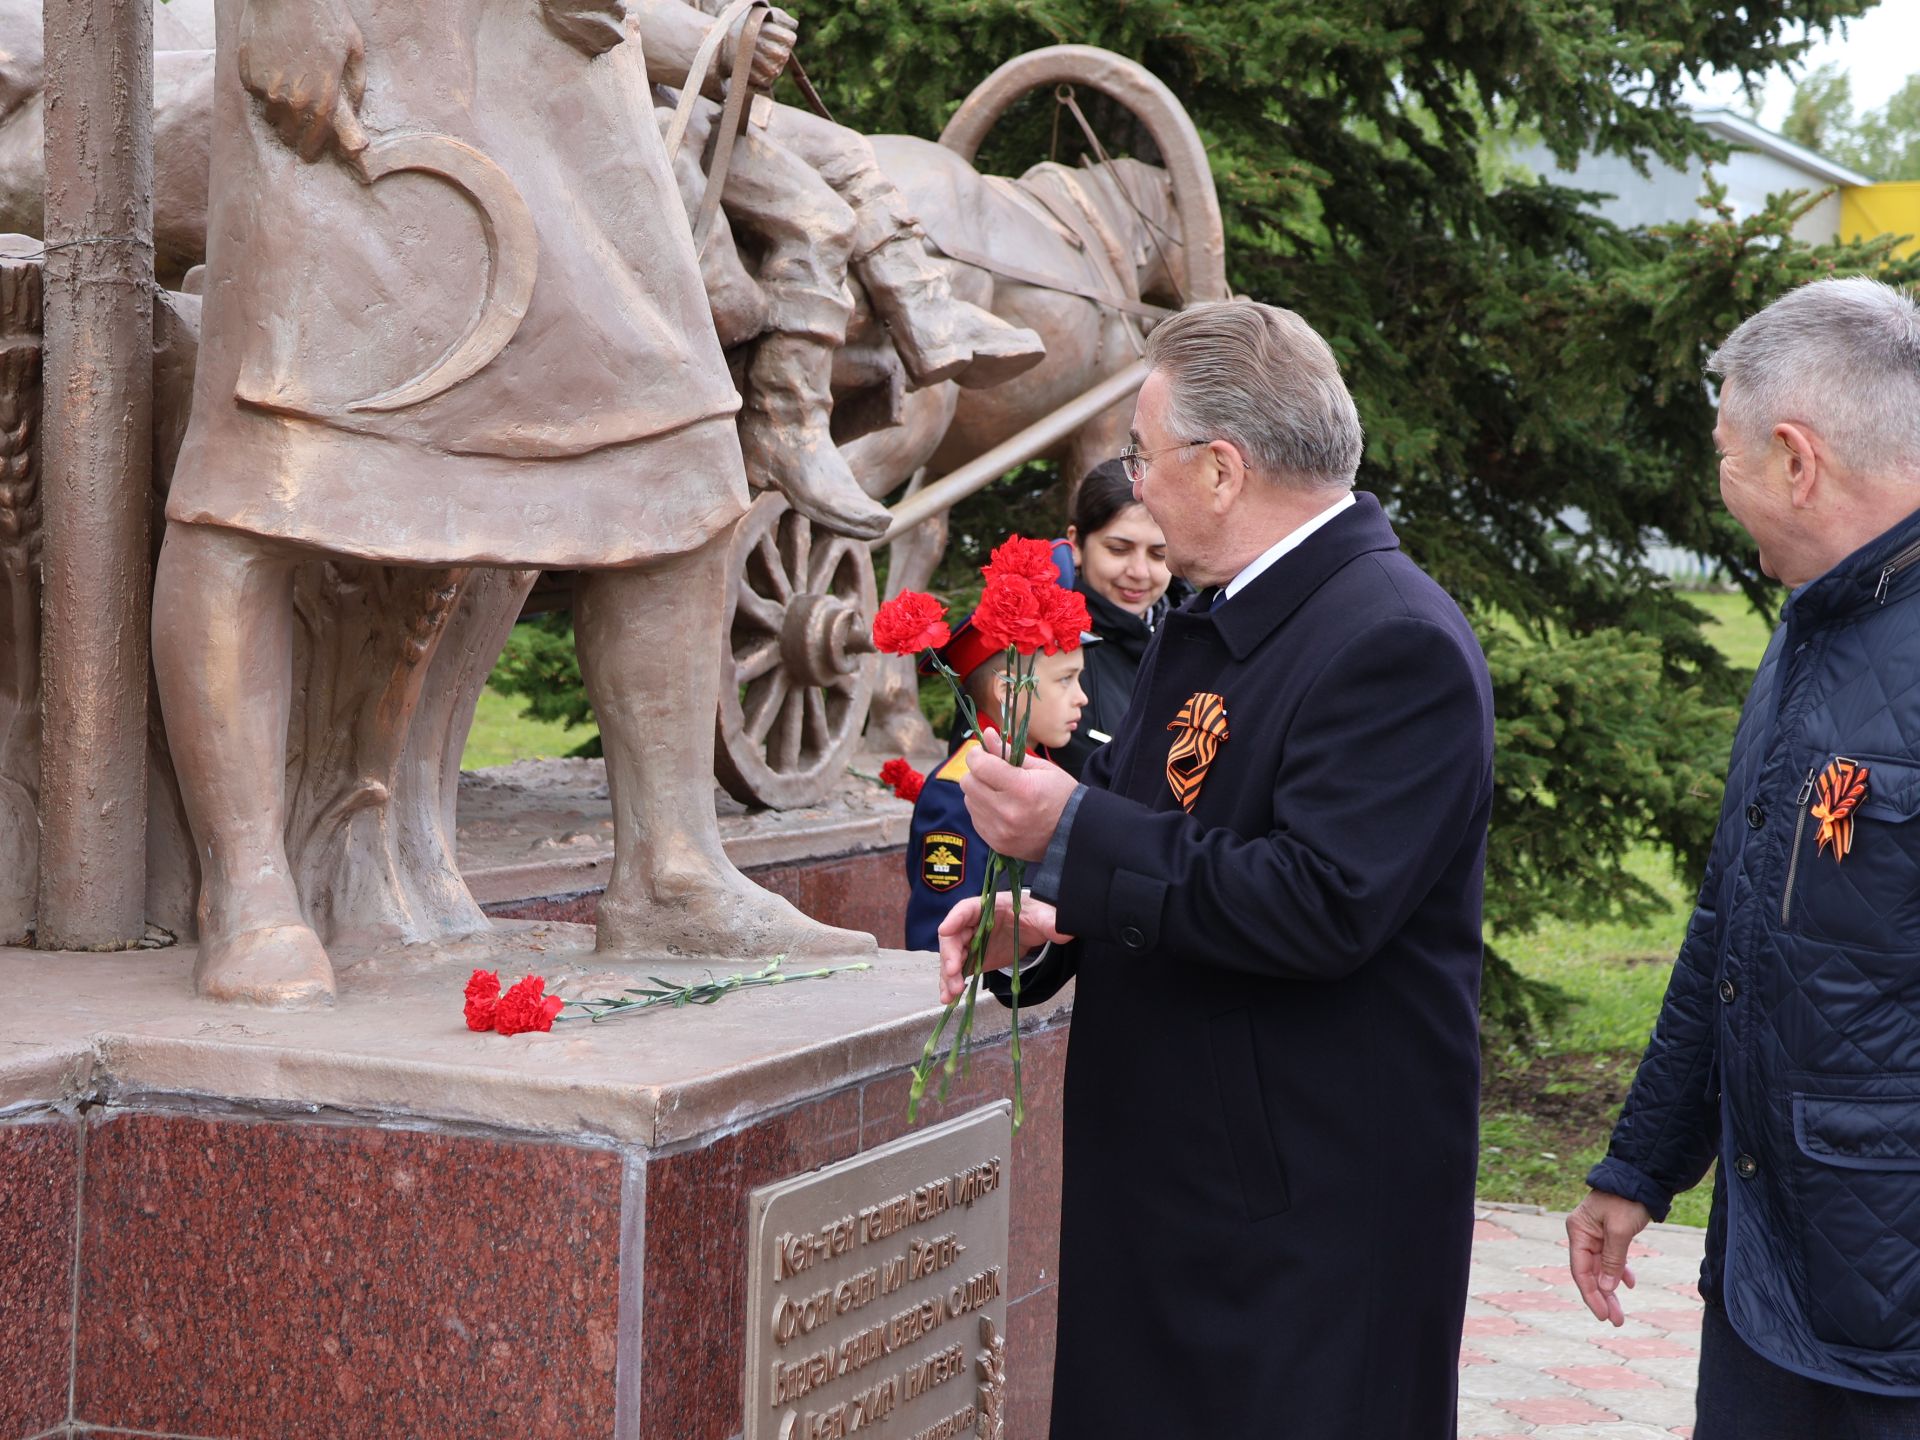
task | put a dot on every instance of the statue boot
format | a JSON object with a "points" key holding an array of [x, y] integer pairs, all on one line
{"points": [[940, 336], [673, 892], [787, 411]]}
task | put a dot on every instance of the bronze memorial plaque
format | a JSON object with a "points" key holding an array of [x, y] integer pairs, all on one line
{"points": [[877, 1291]]}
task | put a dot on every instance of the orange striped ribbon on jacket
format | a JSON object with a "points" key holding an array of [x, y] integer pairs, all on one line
{"points": [[1843, 785], [1203, 723]]}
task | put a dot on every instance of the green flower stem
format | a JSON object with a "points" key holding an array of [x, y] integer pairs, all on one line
{"points": [[703, 992], [1021, 687], [962, 701], [1018, 871], [976, 966], [924, 1069]]}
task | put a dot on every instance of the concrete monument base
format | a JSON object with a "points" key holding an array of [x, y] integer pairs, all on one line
{"points": [[370, 1222]]}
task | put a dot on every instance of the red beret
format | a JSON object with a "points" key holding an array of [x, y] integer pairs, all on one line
{"points": [[966, 651]]}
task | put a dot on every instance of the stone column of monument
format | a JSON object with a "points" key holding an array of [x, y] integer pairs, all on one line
{"points": [[96, 464]]}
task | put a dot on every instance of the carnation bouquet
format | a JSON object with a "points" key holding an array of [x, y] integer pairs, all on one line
{"points": [[1024, 611], [526, 1007]]}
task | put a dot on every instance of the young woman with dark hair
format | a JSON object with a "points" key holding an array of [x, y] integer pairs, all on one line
{"points": [[1120, 565]]}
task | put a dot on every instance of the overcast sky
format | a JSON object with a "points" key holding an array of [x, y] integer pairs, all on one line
{"points": [[1877, 52]]}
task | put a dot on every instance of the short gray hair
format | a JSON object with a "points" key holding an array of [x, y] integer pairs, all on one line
{"points": [[1261, 377], [1841, 356]]}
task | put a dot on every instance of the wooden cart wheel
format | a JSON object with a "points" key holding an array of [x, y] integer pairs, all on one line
{"points": [[797, 667]]}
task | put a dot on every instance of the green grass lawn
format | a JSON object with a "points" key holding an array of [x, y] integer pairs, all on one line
{"points": [[1740, 634], [1545, 1113], [501, 734]]}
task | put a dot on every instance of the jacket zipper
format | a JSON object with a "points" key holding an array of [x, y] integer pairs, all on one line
{"points": [[1799, 829], [1894, 566]]}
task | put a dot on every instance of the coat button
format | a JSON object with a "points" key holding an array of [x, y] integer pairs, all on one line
{"points": [[1727, 991], [1132, 938], [1746, 1167], [1756, 817]]}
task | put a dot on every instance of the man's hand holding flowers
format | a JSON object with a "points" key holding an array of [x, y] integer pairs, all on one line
{"points": [[1024, 611], [1038, 925], [1014, 807]]}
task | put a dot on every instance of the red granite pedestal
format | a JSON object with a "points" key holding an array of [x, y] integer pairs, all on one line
{"points": [[226, 1224]]}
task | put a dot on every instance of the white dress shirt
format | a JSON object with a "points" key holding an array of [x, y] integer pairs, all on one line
{"points": [[1291, 541]]}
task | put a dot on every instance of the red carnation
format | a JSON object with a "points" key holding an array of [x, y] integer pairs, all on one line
{"points": [[906, 781], [1012, 614], [1031, 616], [526, 1007], [1022, 559], [909, 623], [483, 995], [1065, 614]]}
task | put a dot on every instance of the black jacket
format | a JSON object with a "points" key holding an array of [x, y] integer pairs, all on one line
{"points": [[1272, 1080], [946, 858], [1112, 666]]}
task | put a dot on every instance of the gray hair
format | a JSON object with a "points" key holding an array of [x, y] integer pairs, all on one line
{"points": [[1261, 377], [1840, 356]]}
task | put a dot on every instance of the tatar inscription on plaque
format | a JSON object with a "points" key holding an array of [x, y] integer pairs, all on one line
{"points": [[877, 1291]]}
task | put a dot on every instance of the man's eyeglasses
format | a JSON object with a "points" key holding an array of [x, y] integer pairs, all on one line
{"points": [[1135, 461]]}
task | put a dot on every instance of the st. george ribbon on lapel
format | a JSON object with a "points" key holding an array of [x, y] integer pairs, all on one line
{"points": [[1203, 723]]}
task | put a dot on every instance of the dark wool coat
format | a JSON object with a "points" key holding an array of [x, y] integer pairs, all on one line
{"points": [[1273, 1077], [1789, 1044]]}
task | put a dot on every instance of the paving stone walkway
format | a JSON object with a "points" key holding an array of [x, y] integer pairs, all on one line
{"points": [[1535, 1363]]}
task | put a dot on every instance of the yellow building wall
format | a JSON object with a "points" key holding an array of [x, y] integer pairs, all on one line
{"points": [[1890, 209]]}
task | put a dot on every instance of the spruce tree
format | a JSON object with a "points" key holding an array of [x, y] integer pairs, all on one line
{"points": [[1516, 360], [1530, 376]]}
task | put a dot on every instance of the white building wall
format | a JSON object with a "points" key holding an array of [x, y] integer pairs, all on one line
{"points": [[1662, 196], [1751, 178], [1667, 195]]}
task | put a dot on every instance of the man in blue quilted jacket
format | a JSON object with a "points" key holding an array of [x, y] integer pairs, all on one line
{"points": [[1788, 1047]]}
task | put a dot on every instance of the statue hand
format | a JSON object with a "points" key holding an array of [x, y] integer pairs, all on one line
{"points": [[304, 59], [593, 26], [775, 47]]}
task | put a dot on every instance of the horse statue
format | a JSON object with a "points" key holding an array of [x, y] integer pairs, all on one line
{"points": [[1088, 258]]}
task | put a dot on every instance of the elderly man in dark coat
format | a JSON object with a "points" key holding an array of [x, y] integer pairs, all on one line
{"points": [[1269, 888]]}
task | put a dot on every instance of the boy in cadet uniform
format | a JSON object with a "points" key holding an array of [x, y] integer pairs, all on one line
{"points": [[946, 860]]}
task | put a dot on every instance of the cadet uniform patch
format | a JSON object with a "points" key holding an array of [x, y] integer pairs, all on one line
{"points": [[943, 859]]}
